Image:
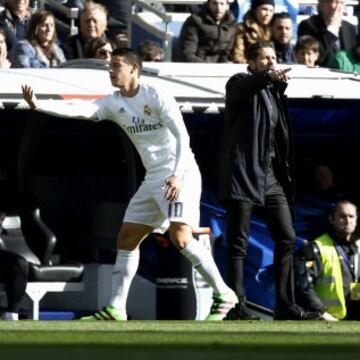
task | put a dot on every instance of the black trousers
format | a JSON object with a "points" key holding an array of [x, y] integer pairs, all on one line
{"points": [[277, 216], [14, 270]]}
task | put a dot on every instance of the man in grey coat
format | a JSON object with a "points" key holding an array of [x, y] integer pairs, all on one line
{"points": [[256, 167], [208, 36]]}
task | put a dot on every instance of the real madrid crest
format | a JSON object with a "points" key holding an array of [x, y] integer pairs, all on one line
{"points": [[147, 110]]}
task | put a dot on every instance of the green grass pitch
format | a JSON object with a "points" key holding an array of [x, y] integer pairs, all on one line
{"points": [[150, 340]]}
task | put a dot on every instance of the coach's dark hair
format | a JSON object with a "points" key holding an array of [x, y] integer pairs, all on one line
{"points": [[254, 49], [130, 54]]}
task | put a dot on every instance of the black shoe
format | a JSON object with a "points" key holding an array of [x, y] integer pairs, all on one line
{"points": [[240, 312], [295, 312]]}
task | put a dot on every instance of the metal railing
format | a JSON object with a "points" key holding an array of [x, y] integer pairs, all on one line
{"points": [[71, 14]]}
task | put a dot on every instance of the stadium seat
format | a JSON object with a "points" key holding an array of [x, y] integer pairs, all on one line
{"points": [[26, 234]]}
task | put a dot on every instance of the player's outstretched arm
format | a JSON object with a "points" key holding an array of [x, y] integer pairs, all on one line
{"points": [[29, 96], [81, 110]]}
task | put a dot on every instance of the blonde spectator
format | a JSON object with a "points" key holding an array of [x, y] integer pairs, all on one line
{"points": [[307, 50], [255, 27], [39, 49], [4, 61], [93, 24]]}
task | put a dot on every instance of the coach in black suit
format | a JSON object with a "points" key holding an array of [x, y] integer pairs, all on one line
{"points": [[328, 27]]}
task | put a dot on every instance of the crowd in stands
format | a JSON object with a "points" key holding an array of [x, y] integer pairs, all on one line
{"points": [[213, 33], [29, 37], [323, 39]]}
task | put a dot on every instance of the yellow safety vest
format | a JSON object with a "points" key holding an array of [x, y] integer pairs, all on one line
{"points": [[329, 285]]}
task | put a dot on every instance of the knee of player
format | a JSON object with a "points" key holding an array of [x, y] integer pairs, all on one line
{"points": [[180, 235]]}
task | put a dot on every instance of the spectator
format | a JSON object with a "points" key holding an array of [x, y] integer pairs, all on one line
{"points": [[93, 23], [99, 48], [149, 51], [347, 60], [327, 269], [256, 173], [208, 36], [118, 17], [255, 27], [307, 50], [4, 61], [39, 49], [281, 35], [325, 187], [329, 29], [14, 19]]}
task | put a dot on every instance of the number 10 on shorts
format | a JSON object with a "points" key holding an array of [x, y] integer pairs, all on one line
{"points": [[175, 209]]}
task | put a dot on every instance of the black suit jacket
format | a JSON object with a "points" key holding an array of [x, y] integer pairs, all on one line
{"points": [[244, 153]]}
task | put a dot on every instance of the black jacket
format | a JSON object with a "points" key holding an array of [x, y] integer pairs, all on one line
{"points": [[316, 27], [245, 146], [202, 40]]}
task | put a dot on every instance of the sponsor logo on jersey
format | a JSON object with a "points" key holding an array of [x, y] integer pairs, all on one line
{"points": [[147, 110], [140, 126], [121, 110]]}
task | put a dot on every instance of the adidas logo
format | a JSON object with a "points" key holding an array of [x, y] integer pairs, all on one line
{"points": [[122, 110]]}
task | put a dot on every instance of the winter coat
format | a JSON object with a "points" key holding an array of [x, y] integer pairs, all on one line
{"points": [[245, 145], [315, 26], [14, 28], [25, 55], [203, 40], [248, 32]]}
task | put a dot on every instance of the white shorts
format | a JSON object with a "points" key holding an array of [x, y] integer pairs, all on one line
{"points": [[148, 206]]}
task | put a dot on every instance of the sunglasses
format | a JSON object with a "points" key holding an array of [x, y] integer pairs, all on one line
{"points": [[104, 52]]}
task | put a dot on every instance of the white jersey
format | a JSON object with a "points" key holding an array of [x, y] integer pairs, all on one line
{"points": [[152, 120]]}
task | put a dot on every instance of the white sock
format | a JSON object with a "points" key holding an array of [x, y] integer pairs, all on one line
{"points": [[10, 316], [203, 261], [124, 270]]}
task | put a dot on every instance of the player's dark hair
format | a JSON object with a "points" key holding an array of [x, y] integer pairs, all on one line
{"points": [[130, 55]]}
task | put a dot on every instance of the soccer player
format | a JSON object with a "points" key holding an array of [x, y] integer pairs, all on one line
{"points": [[170, 193]]}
